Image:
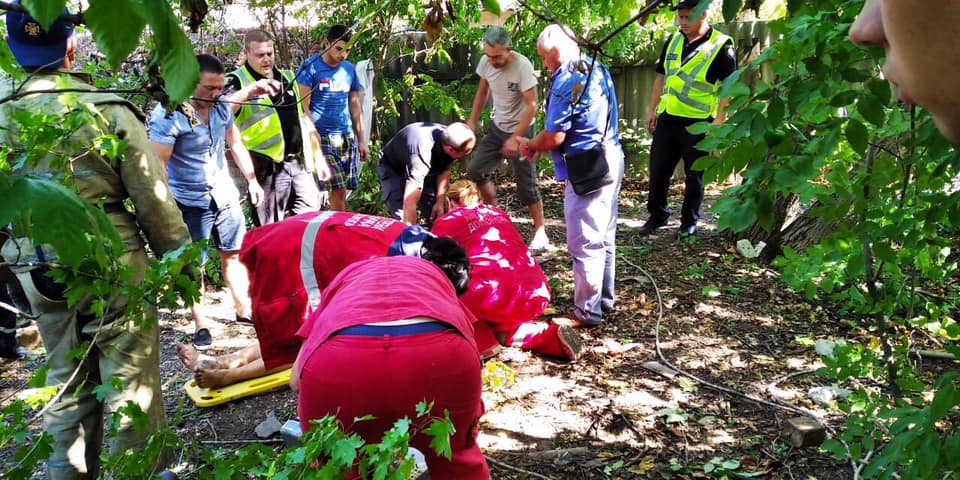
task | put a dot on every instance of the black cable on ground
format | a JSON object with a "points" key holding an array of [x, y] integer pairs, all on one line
{"points": [[713, 386]]}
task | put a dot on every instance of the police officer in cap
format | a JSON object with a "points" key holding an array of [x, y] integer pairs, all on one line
{"points": [[693, 64]]}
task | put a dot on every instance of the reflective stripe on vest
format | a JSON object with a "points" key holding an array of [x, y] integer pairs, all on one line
{"points": [[307, 245], [686, 92], [258, 122]]}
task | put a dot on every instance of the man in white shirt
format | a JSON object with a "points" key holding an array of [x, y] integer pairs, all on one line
{"points": [[509, 77]]}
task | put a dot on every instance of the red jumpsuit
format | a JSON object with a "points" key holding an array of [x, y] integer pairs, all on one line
{"points": [[351, 376], [291, 261], [507, 286]]}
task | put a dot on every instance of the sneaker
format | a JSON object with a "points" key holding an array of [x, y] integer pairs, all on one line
{"points": [[244, 319], [687, 231], [202, 339], [541, 243], [650, 226], [570, 342]]}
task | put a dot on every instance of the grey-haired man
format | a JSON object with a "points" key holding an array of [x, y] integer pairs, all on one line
{"points": [[509, 77]]}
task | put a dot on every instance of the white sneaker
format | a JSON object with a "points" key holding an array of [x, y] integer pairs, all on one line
{"points": [[541, 243]]}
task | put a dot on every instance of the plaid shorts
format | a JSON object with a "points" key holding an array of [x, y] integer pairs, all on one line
{"points": [[343, 156]]}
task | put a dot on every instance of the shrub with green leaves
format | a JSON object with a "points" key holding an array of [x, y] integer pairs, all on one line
{"points": [[823, 137]]}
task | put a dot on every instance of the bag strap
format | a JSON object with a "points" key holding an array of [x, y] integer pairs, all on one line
{"points": [[606, 93]]}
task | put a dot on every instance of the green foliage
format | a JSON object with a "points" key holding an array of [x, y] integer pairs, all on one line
{"points": [[367, 197], [173, 51], [30, 449], [822, 130], [327, 452]]}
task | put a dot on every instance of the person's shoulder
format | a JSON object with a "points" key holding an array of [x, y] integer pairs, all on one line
{"points": [[348, 66], [483, 63], [160, 114], [523, 61], [567, 75]]}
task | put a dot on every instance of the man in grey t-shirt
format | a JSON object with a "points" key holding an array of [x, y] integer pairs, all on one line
{"points": [[509, 77]]}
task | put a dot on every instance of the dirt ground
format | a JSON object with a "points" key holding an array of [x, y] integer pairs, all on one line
{"points": [[726, 319]]}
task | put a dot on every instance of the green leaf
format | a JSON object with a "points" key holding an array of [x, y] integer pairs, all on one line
{"points": [[775, 110], [423, 408], [441, 430], [39, 377], [710, 291], [365, 418], [8, 64], [731, 464], [65, 217], [101, 391], [624, 11], [844, 98], [871, 109], [344, 450], [730, 9], [44, 11], [928, 455], [946, 398], [857, 135], [700, 9], [880, 89], [178, 64], [492, 6], [116, 26]]}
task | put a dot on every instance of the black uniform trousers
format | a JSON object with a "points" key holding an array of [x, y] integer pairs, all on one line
{"points": [[671, 142], [287, 189]]}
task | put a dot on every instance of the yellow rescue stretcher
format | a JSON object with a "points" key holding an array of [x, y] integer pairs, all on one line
{"points": [[204, 397]]}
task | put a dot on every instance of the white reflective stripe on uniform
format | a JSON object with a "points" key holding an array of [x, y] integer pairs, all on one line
{"points": [[307, 245]]}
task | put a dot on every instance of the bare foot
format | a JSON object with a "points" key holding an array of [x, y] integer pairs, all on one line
{"points": [[187, 355], [208, 375]]}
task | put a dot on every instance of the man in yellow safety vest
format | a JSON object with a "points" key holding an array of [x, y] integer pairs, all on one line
{"points": [[266, 102], [693, 63]]}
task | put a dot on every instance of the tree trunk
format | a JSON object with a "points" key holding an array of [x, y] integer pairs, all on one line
{"points": [[793, 226]]}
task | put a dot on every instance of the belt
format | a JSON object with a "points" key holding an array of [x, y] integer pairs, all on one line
{"points": [[394, 330]]}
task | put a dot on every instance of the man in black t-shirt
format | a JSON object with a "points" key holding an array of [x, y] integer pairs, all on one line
{"points": [[415, 166], [266, 102], [693, 63]]}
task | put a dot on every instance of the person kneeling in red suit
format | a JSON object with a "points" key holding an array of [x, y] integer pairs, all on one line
{"points": [[389, 333], [290, 263], [508, 289]]}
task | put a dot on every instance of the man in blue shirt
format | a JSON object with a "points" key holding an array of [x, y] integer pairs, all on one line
{"points": [[192, 144], [330, 89], [581, 116]]}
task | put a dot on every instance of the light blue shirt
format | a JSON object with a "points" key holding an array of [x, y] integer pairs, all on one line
{"points": [[584, 121], [330, 100], [197, 170]]}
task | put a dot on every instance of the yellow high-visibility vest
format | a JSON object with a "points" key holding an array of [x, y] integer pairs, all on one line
{"points": [[258, 121], [686, 92]]}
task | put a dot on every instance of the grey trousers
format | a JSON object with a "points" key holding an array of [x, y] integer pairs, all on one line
{"points": [[592, 241]]}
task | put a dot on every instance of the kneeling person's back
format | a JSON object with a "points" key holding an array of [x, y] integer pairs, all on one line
{"points": [[365, 356]]}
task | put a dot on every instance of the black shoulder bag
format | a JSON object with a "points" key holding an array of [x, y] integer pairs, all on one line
{"points": [[588, 170]]}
